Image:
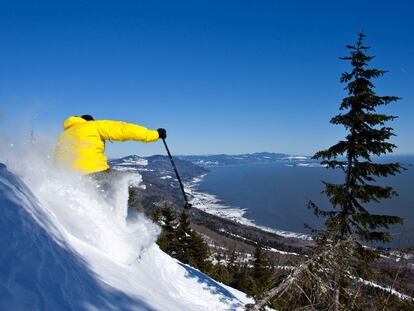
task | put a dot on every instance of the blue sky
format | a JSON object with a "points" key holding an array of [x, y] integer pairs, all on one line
{"points": [[220, 76]]}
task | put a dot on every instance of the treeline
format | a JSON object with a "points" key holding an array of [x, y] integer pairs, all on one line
{"points": [[180, 241], [257, 275], [253, 276]]}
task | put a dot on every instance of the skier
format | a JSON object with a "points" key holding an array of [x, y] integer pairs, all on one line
{"points": [[81, 146]]}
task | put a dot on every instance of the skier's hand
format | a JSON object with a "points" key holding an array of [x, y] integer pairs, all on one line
{"points": [[162, 133]]}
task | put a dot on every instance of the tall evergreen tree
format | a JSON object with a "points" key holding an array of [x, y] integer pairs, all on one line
{"points": [[262, 273], [194, 246], [329, 279], [183, 234], [167, 240], [182, 242], [367, 136], [232, 264], [199, 252]]}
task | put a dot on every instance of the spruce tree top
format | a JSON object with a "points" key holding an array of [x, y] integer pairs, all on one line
{"points": [[367, 136]]}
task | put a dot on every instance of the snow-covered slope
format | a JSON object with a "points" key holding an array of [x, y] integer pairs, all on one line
{"points": [[64, 248]]}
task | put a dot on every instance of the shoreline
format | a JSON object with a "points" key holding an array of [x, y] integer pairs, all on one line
{"points": [[212, 204]]}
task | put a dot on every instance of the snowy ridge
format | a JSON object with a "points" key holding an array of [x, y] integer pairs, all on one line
{"points": [[387, 289], [253, 158], [213, 205], [65, 248], [241, 159], [131, 160], [271, 249]]}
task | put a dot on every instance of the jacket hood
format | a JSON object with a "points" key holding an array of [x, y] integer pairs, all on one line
{"points": [[72, 121]]}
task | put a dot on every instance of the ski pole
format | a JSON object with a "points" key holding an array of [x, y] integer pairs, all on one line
{"points": [[187, 204]]}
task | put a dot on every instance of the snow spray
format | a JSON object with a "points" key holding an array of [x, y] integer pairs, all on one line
{"points": [[74, 209]]}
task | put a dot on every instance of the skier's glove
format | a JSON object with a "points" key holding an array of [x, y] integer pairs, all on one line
{"points": [[162, 133]]}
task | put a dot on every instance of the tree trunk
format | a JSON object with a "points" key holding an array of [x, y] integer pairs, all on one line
{"points": [[336, 292], [278, 289], [287, 283]]}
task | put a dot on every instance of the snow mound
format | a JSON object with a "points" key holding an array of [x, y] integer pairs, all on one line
{"points": [[65, 248]]}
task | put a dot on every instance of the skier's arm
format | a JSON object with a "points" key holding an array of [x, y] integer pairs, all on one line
{"points": [[122, 131]]}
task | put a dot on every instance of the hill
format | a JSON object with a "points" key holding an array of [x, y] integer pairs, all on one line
{"points": [[64, 249]]}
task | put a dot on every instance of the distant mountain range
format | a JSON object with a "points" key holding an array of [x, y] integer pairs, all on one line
{"points": [[159, 163], [215, 160], [247, 158]]}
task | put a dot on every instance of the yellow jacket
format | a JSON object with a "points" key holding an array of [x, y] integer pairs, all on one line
{"points": [[81, 146]]}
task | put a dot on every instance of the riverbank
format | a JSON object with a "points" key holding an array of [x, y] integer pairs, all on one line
{"points": [[212, 204]]}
